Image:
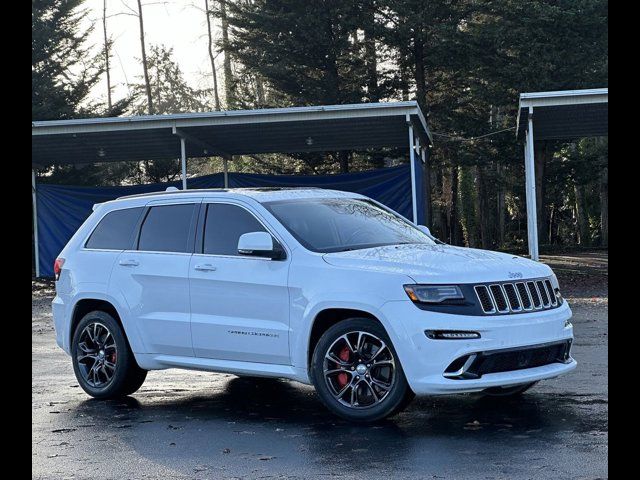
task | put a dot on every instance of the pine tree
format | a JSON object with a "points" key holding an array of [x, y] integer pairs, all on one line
{"points": [[305, 51], [63, 70], [169, 90]]}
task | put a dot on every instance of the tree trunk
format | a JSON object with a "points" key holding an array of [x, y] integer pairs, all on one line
{"points": [[404, 73], [604, 207], [467, 196], [439, 213], [426, 175], [147, 83], [371, 56], [501, 210], [540, 159], [481, 207], [582, 216], [229, 83], [107, 54], [442, 213], [216, 97], [418, 57], [455, 234]]}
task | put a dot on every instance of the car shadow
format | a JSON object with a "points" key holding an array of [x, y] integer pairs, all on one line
{"points": [[251, 418]]}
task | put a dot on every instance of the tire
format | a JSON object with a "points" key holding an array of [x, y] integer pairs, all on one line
{"points": [[103, 362], [507, 392], [382, 389]]}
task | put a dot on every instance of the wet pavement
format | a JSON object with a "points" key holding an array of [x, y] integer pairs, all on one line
{"points": [[196, 425]]}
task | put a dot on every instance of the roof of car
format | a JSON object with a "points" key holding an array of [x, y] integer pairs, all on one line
{"points": [[261, 194]]}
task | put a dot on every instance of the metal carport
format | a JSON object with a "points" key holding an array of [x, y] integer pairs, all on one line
{"points": [[235, 132], [559, 115]]}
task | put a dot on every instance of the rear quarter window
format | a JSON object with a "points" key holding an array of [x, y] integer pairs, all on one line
{"points": [[116, 230]]}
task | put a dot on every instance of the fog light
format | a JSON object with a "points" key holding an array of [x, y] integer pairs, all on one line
{"points": [[451, 335], [568, 324]]}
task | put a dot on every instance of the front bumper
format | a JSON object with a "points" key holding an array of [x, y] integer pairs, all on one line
{"points": [[425, 360]]}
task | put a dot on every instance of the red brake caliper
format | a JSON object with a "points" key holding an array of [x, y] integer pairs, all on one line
{"points": [[342, 377]]}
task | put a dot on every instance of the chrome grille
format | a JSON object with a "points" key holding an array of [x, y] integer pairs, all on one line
{"points": [[543, 293], [499, 298], [552, 294], [516, 297], [525, 298], [535, 295], [485, 299], [512, 296]]}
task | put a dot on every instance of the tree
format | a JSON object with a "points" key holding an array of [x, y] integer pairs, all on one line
{"points": [[63, 70], [145, 65], [305, 53], [212, 58], [304, 50], [107, 53], [170, 93], [229, 81]]}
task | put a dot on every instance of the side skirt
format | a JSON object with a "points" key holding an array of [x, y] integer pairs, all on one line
{"points": [[160, 362]]}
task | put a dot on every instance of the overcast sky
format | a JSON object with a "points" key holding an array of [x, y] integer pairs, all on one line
{"points": [[180, 24]]}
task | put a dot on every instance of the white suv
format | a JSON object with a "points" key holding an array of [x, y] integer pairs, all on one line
{"points": [[317, 286]]}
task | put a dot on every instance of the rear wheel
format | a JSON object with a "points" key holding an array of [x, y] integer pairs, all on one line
{"points": [[102, 359], [357, 373], [513, 391]]}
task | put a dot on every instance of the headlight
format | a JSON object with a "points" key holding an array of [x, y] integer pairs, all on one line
{"points": [[433, 293]]}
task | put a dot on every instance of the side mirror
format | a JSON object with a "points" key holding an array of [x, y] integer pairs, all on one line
{"points": [[259, 244], [425, 229]]}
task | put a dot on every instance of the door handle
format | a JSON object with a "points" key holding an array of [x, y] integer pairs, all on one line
{"points": [[129, 263], [207, 267]]}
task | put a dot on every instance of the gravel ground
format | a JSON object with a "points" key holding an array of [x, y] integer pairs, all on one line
{"points": [[193, 425]]}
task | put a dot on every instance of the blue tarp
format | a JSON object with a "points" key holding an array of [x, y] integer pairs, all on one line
{"points": [[62, 208]]}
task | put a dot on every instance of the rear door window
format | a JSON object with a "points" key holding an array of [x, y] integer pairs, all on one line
{"points": [[168, 228]]}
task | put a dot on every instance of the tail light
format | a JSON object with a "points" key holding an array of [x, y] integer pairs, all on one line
{"points": [[57, 267]]}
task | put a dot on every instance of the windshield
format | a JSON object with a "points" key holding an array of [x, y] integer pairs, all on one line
{"points": [[339, 224]]}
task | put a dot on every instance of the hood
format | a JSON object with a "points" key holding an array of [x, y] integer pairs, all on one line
{"points": [[441, 263]]}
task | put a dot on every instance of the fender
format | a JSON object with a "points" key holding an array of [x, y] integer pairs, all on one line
{"points": [[118, 302], [301, 326]]}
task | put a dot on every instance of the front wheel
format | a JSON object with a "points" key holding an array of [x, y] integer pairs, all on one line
{"points": [[102, 360], [357, 373]]}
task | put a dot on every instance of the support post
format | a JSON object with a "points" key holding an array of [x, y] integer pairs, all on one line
{"points": [[530, 186], [412, 158], [225, 168], [34, 201], [183, 159]]}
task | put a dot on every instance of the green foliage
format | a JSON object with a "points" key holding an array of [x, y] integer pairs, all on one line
{"points": [[305, 50], [62, 69], [169, 90]]}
